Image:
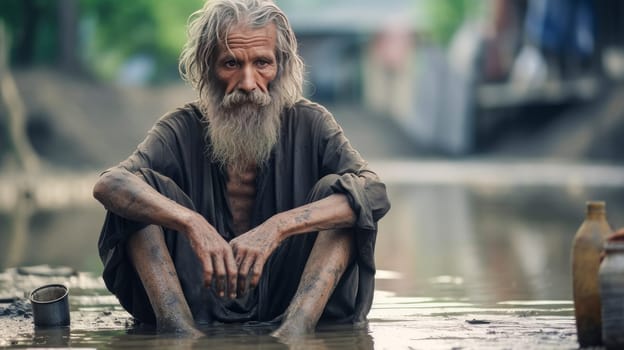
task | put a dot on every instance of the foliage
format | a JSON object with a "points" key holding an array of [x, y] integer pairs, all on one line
{"points": [[125, 29], [18, 15], [109, 31], [446, 16]]}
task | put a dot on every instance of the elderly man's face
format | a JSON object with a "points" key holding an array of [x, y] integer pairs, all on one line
{"points": [[250, 64]]}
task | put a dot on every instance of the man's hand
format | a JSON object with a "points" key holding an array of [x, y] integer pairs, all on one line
{"points": [[251, 250], [215, 255]]}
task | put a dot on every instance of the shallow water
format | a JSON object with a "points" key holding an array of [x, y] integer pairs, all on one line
{"points": [[394, 323], [459, 267]]}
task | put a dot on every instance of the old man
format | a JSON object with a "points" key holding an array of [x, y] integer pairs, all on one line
{"points": [[248, 204]]}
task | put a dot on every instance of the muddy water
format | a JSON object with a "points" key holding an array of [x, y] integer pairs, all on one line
{"points": [[459, 267]]}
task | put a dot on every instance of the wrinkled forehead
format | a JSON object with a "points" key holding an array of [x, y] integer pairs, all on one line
{"points": [[242, 36]]}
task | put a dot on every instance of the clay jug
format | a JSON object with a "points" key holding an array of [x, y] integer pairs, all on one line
{"points": [[586, 249]]}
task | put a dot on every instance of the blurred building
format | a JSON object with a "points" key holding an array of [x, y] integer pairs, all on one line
{"points": [[355, 50], [452, 97], [378, 54]]}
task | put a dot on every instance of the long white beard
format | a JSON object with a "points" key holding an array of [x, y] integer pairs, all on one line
{"points": [[242, 128]]}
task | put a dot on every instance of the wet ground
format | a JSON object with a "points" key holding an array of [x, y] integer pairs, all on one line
{"points": [[395, 323], [462, 265]]}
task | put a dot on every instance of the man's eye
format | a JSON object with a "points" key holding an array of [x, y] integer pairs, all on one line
{"points": [[262, 63], [230, 64]]}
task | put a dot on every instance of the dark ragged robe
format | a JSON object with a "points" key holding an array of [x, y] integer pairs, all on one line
{"points": [[312, 160]]}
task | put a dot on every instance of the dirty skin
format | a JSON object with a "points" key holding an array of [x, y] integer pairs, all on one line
{"points": [[328, 260], [241, 259], [170, 308]]}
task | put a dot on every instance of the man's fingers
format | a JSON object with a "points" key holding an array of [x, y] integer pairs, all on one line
{"points": [[219, 274], [234, 248], [243, 273], [232, 273], [256, 271], [208, 272]]}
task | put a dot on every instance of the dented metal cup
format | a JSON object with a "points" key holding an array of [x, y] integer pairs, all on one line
{"points": [[50, 306]]}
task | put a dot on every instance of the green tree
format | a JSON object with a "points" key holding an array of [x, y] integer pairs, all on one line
{"points": [[32, 26], [98, 35], [445, 16], [122, 29]]}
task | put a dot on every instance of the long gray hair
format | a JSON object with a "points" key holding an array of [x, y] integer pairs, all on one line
{"points": [[210, 26]]}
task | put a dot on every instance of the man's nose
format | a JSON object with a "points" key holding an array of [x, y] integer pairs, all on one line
{"points": [[248, 80]]}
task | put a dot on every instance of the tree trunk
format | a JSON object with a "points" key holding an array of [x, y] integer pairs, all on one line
{"points": [[13, 107], [68, 35]]}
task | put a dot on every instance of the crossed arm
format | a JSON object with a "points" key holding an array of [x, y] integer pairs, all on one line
{"points": [[227, 266]]}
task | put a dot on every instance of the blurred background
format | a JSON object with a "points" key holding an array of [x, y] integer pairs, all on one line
{"points": [[491, 121]]}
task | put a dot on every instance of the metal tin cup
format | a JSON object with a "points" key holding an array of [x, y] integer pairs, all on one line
{"points": [[50, 306]]}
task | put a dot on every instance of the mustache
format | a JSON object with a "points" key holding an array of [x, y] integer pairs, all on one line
{"points": [[237, 98]]}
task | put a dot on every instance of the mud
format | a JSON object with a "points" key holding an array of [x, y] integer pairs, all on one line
{"points": [[395, 322], [17, 307]]}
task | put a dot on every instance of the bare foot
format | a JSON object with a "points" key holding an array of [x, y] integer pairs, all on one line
{"points": [[179, 327], [297, 338], [293, 330]]}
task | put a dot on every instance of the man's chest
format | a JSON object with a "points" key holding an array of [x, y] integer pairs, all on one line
{"points": [[241, 195]]}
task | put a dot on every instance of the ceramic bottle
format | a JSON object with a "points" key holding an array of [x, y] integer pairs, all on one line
{"points": [[586, 250]]}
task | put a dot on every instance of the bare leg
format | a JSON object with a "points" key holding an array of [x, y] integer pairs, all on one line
{"points": [[327, 262], [148, 251]]}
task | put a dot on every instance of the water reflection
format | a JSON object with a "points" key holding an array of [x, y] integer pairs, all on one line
{"points": [[65, 236], [138, 341], [225, 337], [18, 230], [482, 245], [56, 336]]}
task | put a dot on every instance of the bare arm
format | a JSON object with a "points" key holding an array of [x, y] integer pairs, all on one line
{"points": [[328, 213], [253, 248], [127, 195]]}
